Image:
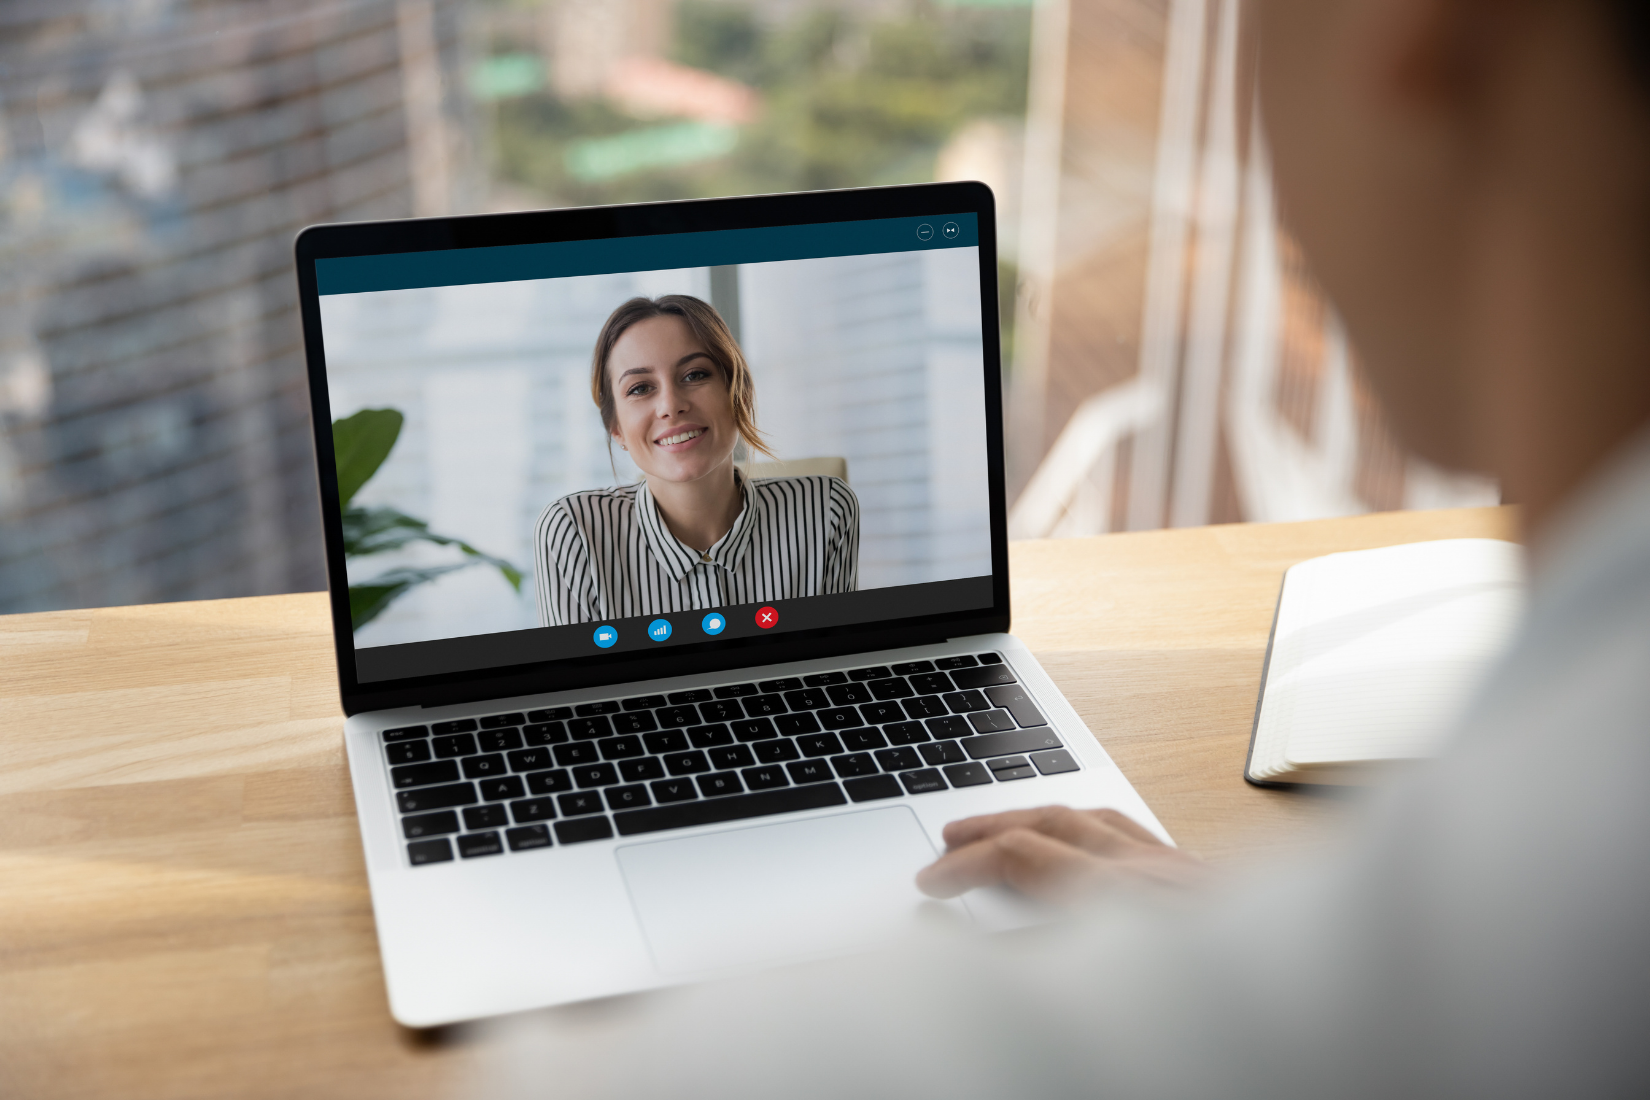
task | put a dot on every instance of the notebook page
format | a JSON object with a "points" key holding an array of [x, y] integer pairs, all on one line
{"points": [[1381, 648]]}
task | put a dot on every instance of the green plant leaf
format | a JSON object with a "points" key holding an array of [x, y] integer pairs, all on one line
{"points": [[366, 601], [376, 530], [360, 444]]}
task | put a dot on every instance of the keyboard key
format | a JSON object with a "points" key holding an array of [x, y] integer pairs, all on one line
{"points": [[839, 718], [754, 729], [719, 784], [898, 760], [872, 787], [405, 733], [703, 737], [545, 733], [499, 740], [991, 721], [499, 721], [637, 771], [686, 763], [859, 763], [961, 702], [942, 752], [429, 824], [971, 774], [809, 771], [735, 691], [722, 710], [666, 741], [553, 714], [765, 779], [736, 808], [952, 725], [645, 702], [732, 756], [429, 851], [806, 699], [640, 721], [862, 740], [789, 683], [460, 725], [628, 798], [529, 760], [589, 729], [620, 748], [894, 687], [595, 775], [913, 668], [606, 706], [674, 790], [1053, 763], [1003, 762], [823, 679], [579, 752], [528, 836], [847, 695], [407, 752], [1014, 698], [584, 802], [485, 817], [984, 676], [877, 714], [776, 751], [677, 717], [422, 775], [1004, 775], [533, 809], [476, 845], [955, 662], [1002, 744], [935, 683], [877, 672], [819, 744], [926, 706], [549, 782], [481, 767], [463, 744], [794, 725], [697, 695], [759, 705], [577, 832], [923, 782], [990, 658], [497, 790], [905, 733]]}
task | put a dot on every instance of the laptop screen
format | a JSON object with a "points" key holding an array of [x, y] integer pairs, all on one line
{"points": [[589, 449]]}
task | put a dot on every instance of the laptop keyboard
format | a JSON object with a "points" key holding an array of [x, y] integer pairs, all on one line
{"points": [[481, 786]]}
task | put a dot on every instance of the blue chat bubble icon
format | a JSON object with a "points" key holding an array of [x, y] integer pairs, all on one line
{"points": [[714, 623]]}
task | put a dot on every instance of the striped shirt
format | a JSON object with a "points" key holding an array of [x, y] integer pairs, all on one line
{"points": [[607, 554]]}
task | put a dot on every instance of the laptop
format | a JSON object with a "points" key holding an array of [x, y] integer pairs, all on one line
{"points": [[591, 755]]}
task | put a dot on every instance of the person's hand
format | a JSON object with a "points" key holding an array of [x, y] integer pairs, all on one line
{"points": [[1054, 853]]}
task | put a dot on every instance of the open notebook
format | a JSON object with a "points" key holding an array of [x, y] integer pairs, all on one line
{"points": [[1374, 652]]}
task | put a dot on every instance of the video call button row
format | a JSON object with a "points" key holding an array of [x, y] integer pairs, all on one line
{"points": [[606, 635]]}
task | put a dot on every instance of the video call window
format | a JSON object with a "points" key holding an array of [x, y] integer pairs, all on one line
{"points": [[667, 440]]}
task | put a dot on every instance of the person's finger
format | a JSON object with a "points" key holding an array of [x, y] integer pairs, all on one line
{"points": [[1029, 861], [1123, 823], [1089, 830]]}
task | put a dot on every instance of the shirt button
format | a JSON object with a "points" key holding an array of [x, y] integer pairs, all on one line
{"points": [[704, 556]]}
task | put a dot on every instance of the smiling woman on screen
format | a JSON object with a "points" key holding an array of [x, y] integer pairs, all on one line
{"points": [[675, 391]]}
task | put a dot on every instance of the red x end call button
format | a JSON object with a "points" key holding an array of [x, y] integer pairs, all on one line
{"points": [[767, 618]]}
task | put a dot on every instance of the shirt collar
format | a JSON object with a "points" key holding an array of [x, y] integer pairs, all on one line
{"points": [[678, 559]]}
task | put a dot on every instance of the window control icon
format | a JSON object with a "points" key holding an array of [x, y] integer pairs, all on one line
{"points": [[767, 618]]}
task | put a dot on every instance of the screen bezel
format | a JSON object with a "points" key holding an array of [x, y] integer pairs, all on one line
{"points": [[646, 219]]}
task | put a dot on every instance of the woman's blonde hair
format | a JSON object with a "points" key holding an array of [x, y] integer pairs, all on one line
{"points": [[712, 333]]}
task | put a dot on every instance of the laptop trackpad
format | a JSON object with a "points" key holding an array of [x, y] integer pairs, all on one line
{"points": [[773, 892]]}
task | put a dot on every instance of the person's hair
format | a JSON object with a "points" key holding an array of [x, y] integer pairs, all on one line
{"points": [[712, 333]]}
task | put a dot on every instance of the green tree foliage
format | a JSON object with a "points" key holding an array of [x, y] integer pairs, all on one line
{"points": [[360, 444], [849, 100]]}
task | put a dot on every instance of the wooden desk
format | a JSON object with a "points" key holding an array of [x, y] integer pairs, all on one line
{"points": [[184, 911]]}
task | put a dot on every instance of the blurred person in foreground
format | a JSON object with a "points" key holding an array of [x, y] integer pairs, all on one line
{"points": [[1471, 181]]}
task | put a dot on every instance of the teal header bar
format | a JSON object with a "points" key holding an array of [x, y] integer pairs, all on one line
{"points": [[659, 252]]}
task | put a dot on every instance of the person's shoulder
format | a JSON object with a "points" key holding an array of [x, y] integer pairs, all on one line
{"points": [[830, 493], [587, 504]]}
